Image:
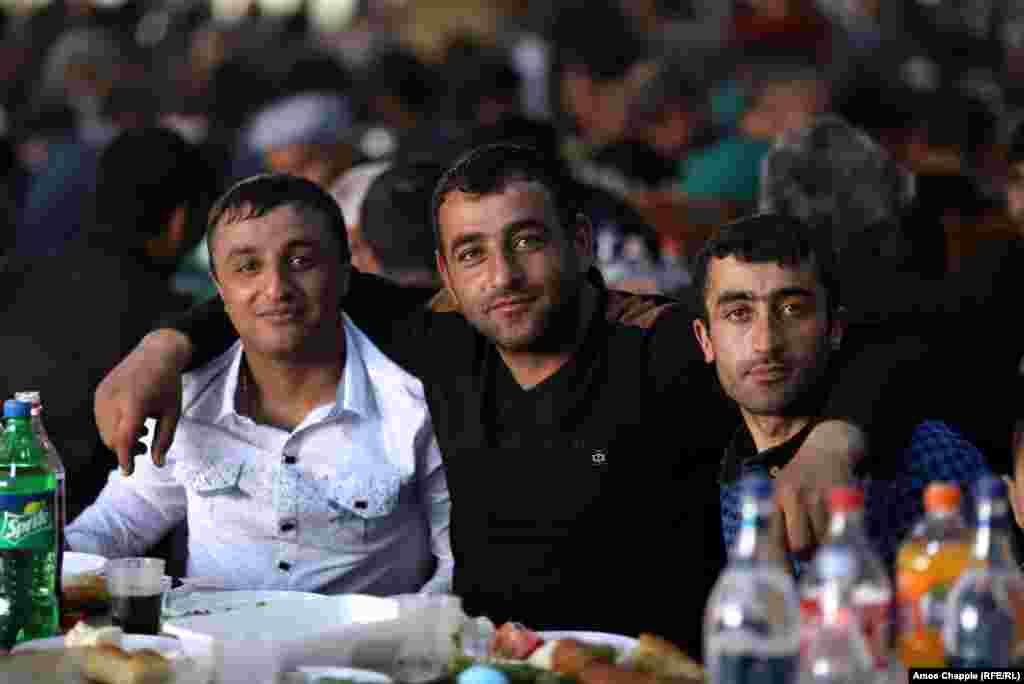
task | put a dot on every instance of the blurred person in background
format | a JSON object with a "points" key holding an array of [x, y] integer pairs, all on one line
{"points": [[68, 319], [400, 96], [595, 74], [350, 191], [61, 172], [306, 135], [395, 226]]}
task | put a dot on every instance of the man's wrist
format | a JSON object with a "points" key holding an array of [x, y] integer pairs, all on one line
{"points": [[170, 345]]}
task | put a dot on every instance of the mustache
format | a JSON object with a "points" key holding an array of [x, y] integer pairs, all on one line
{"points": [[766, 364], [508, 297]]}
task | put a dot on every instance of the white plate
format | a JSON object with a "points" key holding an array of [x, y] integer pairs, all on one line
{"points": [[312, 674], [622, 643], [165, 646], [79, 563], [287, 615]]}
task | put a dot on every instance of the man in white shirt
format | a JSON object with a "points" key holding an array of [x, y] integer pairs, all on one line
{"points": [[304, 459]]}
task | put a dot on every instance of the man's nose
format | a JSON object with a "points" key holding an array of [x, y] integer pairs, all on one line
{"points": [[767, 335], [279, 283], [506, 271]]}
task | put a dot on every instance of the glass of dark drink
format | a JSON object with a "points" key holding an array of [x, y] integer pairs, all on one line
{"points": [[136, 591]]}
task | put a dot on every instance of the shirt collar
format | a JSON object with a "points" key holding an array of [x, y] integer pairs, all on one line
{"points": [[355, 393]]}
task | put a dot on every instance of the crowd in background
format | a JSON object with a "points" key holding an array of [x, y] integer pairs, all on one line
{"points": [[121, 123]]}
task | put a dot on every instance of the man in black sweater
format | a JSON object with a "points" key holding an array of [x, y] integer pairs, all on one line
{"points": [[579, 450]]}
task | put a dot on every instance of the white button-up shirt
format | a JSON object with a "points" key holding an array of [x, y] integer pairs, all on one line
{"points": [[352, 500]]}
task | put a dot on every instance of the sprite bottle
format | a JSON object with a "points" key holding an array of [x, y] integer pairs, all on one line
{"points": [[28, 535]]}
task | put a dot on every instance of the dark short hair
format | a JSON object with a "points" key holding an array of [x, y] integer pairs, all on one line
{"points": [[772, 239], [488, 169], [835, 178], [395, 217], [259, 195], [142, 176]]}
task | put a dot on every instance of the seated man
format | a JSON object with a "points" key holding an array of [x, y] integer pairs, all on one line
{"points": [[773, 327], [304, 458]]}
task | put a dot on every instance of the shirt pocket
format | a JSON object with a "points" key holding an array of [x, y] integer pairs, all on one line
{"points": [[368, 500]]}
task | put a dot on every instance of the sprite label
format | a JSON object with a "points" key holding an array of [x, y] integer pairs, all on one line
{"points": [[27, 521]]}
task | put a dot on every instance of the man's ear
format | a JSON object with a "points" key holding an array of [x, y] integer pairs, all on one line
{"points": [[838, 327], [700, 329], [442, 270], [583, 241]]}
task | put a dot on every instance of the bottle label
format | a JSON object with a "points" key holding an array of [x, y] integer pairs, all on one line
{"points": [[27, 521]]}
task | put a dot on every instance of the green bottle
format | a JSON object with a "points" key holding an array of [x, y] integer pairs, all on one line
{"points": [[28, 533]]}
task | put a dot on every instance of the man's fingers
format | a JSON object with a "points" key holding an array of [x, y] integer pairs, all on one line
{"points": [[817, 510], [125, 440], [799, 535], [165, 428], [1011, 494]]}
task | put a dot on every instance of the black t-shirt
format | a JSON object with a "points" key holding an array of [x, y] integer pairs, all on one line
{"points": [[589, 501]]}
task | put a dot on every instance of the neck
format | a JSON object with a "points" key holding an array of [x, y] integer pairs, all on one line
{"points": [[283, 392], [532, 367], [771, 431]]}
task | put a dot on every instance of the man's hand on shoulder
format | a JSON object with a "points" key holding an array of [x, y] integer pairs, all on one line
{"points": [[146, 383], [826, 459]]}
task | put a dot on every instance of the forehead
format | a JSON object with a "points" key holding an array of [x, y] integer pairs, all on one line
{"points": [[761, 279], [517, 202], [274, 229]]}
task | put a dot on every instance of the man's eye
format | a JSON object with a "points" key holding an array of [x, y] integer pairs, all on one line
{"points": [[301, 263], [793, 309], [738, 315], [246, 267], [527, 242], [468, 255]]}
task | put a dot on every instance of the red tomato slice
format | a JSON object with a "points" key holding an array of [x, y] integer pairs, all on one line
{"points": [[513, 640]]}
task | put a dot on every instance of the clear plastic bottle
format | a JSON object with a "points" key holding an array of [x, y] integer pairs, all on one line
{"points": [[937, 551], [28, 572], [871, 592], [752, 619], [980, 620], [836, 651], [33, 398]]}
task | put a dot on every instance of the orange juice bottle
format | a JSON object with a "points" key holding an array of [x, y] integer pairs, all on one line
{"points": [[927, 566]]}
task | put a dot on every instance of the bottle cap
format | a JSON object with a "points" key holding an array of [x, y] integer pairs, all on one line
{"points": [[757, 486], [990, 487], [845, 499], [941, 496], [17, 409], [28, 396]]}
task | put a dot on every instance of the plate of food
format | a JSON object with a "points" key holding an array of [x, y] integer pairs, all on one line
{"points": [[287, 615], [101, 655], [526, 656], [340, 675]]}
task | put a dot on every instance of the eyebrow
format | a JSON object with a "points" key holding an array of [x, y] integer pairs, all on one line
{"points": [[246, 250], [473, 238], [730, 296]]}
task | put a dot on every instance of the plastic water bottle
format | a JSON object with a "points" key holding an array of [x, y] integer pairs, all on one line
{"points": [[28, 572], [34, 399], [752, 619], [871, 592], [980, 620], [836, 652], [928, 565]]}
